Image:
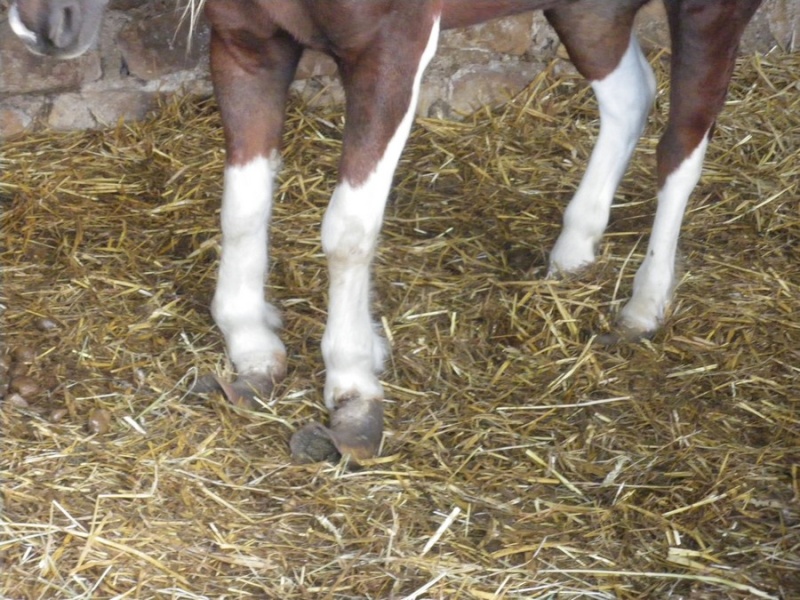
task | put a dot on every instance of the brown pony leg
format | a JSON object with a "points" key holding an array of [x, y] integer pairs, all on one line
{"points": [[705, 37], [597, 35], [382, 84], [251, 78]]}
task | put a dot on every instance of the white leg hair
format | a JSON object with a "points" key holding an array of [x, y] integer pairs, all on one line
{"points": [[624, 97], [351, 347], [246, 319], [653, 283]]}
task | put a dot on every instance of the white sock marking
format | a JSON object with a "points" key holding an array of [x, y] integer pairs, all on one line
{"points": [[624, 98], [239, 308], [352, 349], [652, 285]]}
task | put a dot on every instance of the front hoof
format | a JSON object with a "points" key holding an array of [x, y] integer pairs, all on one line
{"points": [[355, 433], [358, 426], [574, 260], [243, 392], [559, 272]]}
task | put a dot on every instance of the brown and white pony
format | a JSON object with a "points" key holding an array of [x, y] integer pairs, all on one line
{"points": [[382, 48]]}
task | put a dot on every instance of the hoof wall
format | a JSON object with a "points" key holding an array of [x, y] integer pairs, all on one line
{"points": [[242, 392], [623, 333]]}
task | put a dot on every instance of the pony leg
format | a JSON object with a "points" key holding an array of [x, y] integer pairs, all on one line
{"points": [[382, 87], [251, 85], [705, 37], [604, 51]]}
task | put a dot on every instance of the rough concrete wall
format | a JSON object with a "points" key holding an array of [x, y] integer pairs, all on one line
{"points": [[143, 54]]}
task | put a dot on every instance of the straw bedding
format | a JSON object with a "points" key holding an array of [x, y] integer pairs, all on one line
{"points": [[522, 459]]}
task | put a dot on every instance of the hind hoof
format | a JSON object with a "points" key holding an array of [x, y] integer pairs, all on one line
{"points": [[243, 392]]}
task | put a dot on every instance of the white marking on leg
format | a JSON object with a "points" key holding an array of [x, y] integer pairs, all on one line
{"points": [[652, 285], [246, 319], [624, 98], [353, 350]]}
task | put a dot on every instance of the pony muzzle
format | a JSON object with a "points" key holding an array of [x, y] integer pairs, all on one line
{"points": [[59, 28]]}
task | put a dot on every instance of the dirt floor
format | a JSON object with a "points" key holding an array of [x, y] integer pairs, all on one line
{"points": [[521, 459]]}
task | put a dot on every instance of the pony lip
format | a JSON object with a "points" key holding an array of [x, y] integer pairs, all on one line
{"points": [[19, 28]]}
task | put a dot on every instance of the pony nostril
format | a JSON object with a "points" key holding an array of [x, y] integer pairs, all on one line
{"points": [[64, 25]]}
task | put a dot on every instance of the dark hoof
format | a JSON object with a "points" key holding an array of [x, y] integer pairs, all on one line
{"points": [[242, 393], [355, 433], [623, 333]]}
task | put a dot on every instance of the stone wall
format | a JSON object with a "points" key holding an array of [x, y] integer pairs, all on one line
{"points": [[143, 54]]}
